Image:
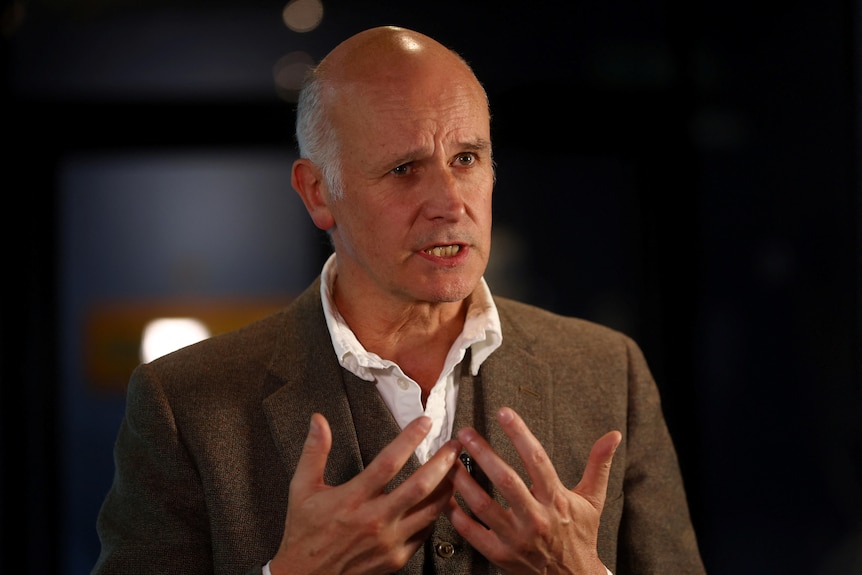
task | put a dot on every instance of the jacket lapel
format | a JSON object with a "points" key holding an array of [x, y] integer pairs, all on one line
{"points": [[307, 378], [304, 377], [513, 377], [289, 411], [374, 424]]}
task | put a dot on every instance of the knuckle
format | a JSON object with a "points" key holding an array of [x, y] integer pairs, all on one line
{"points": [[538, 456], [542, 527], [419, 486], [507, 480], [376, 530], [395, 560], [387, 466], [481, 506]]}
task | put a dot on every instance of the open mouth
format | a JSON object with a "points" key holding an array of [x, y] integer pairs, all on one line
{"points": [[444, 251]]}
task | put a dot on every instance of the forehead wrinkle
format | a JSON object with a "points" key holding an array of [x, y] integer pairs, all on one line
{"points": [[417, 134]]}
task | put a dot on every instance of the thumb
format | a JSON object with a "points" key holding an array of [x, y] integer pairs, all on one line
{"points": [[594, 483], [312, 460]]}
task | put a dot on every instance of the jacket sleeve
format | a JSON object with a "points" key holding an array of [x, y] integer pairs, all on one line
{"points": [[153, 519], [656, 535]]}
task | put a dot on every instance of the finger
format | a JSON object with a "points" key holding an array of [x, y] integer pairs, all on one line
{"points": [[483, 539], [312, 460], [593, 485], [433, 475], [505, 479], [543, 475], [474, 495], [392, 458], [425, 493]]}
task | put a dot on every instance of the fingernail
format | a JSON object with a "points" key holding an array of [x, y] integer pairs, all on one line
{"points": [[617, 444], [505, 415], [453, 448], [467, 435], [313, 428]]}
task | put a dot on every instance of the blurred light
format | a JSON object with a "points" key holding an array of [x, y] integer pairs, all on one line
{"points": [[303, 15], [289, 72], [164, 335]]}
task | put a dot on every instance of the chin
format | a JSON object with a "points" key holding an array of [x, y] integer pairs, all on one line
{"points": [[450, 292]]}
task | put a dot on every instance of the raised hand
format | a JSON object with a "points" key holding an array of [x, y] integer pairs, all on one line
{"points": [[356, 527], [548, 527]]}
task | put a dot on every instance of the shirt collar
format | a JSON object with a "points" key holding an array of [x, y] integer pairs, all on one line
{"points": [[482, 331]]}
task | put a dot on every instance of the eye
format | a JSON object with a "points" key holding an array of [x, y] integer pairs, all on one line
{"points": [[465, 159], [401, 170]]}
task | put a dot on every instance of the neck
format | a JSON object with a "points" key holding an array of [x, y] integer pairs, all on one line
{"points": [[415, 335]]}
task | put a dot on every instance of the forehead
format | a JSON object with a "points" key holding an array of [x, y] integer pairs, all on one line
{"points": [[399, 109]]}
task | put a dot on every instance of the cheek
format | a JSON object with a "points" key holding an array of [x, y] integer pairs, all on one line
{"points": [[371, 231], [483, 211]]}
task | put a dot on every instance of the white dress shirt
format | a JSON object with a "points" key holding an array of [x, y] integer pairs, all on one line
{"points": [[402, 394]]}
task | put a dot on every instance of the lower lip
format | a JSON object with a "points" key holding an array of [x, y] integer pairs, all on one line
{"points": [[452, 261]]}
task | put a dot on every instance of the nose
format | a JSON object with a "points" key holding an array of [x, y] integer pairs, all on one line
{"points": [[444, 197]]}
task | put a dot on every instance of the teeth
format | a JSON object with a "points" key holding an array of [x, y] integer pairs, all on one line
{"points": [[444, 251]]}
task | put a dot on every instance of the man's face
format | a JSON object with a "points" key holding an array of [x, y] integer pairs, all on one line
{"points": [[414, 222]]}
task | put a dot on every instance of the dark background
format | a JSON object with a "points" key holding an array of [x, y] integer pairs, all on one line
{"points": [[687, 172]]}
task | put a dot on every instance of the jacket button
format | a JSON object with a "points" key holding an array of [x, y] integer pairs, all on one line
{"points": [[445, 549]]}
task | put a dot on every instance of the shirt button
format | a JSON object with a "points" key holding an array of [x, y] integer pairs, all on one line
{"points": [[445, 549], [402, 383]]}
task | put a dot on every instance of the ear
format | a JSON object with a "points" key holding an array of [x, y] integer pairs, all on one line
{"points": [[307, 180]]}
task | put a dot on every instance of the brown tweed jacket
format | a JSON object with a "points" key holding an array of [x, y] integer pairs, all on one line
{"points": [[212, 434]]}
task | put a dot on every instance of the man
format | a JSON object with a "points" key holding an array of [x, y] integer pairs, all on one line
{"points": [[396, 417]]}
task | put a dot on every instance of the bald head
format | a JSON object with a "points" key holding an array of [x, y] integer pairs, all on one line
{"points": [[385, 60], [397, 167], [386, 49]]}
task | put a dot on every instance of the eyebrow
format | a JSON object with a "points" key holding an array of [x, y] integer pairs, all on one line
{"points": [[477, 145]]}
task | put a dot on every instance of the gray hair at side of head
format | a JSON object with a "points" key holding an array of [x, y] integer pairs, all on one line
{"points": [[315, 135]]}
